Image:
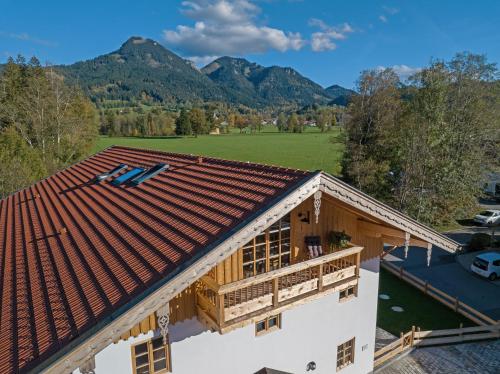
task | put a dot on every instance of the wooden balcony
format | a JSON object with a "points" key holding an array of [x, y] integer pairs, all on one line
{"points": [[227, 306]]}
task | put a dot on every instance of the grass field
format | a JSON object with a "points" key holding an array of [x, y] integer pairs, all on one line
{"points": [[311, 150], [420, 310]]}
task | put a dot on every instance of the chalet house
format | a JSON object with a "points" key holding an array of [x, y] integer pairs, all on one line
{"points": [[139, 261]]}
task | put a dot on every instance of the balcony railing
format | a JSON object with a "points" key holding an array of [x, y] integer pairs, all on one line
{"points": [[229, 304]]}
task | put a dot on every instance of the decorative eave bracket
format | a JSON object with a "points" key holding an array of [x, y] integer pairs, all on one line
{"points": [[88, 367], [407, 243], [317, 204], [429, 254], [163, 317]]}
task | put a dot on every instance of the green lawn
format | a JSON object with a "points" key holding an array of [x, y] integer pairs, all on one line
{"points": [[309, 151], [420, 310]]}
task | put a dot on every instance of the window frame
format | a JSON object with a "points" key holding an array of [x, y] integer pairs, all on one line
{"points": [[267, 329], [150, 355], [348, 293], [347, 349], [252, 245]]}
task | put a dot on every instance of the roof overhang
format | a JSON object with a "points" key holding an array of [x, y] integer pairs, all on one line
{"points": [[373, 208]]}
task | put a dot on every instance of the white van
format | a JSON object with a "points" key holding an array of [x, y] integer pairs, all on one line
{"points": [[487, 265]]}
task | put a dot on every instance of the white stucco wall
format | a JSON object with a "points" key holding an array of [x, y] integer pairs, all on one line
{"points": [[310, 332]]}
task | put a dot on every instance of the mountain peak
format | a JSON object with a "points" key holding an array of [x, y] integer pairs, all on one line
{"points": [[143, 69], [138, 40]]}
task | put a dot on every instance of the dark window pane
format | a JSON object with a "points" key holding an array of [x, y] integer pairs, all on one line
{"points": [[248, 254], [285, 260], [160, 353], [141, 348], [274, 236], [261, 326], [160, 365], [285, 247], [275, 226], [248, 270], [274, 263], [141, 360], [157, 342], [142, 370], [260, 251], [260, 266], [274, 249], [260, 239], [285, 234], [273, 321]]}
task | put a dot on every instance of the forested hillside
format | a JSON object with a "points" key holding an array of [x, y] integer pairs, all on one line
{"points": [[143, 71]]}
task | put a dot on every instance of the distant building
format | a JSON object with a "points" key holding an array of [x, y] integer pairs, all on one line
{"points": [[137, 261]]}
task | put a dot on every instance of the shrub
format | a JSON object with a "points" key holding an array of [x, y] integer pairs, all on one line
{"points": [[479, 241]]}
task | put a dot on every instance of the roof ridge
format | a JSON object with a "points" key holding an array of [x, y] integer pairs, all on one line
{"points": [[211, 158]]}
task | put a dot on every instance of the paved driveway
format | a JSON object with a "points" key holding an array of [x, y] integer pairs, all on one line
{"points": [[446, 274], [471, 358]]}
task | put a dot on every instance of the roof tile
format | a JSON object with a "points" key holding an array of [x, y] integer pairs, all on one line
{"points": [[72, 252]]}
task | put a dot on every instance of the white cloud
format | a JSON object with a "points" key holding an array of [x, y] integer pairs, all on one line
{"points": [[225, 27], [387, 13], [202, 61], [391, 11], [28, 38], [404, 71], [323, 40]]}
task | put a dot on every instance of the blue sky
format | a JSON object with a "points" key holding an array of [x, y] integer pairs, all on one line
{"points": [[328, 41]]}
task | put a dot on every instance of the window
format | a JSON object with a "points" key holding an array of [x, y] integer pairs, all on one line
{"points": [[345, 354], [269, 250], [151, 357], [268, 324], [347, 293]]}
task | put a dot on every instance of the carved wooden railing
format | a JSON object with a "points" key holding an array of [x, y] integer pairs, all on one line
{"points": [[276, 290]]}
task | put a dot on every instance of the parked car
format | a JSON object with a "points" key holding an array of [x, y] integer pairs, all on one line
{"points": [[487, 265], [488, 217]]}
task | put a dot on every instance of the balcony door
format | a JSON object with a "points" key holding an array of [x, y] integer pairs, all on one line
{"points": [[269, 250]]}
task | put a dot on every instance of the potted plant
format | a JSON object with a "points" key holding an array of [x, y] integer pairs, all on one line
{"points": [[338, 240]]}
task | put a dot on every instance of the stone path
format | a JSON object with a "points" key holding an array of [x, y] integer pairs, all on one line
{"points": [[470, 358], [383, 338]]}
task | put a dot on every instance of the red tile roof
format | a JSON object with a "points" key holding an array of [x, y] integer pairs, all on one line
{"points": [[72, 252]]}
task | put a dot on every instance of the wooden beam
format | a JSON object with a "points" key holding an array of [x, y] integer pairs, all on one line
{"points": [[401, 242], [388, 234]]}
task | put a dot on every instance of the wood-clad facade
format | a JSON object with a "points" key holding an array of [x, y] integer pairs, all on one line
{"points": [[333, 217]]}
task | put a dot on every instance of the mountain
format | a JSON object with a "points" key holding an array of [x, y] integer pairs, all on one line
{"points": [[266, 85], [339, 95], [142, 69], [145, 71]]}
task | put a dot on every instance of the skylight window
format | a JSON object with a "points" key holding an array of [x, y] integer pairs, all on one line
{"points": [[99, 178], [155, 170], [127, 176]]}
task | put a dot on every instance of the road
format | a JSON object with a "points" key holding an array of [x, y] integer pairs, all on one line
{"points": [[446, 274]]}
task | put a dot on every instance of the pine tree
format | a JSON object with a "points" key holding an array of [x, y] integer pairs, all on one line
{"points": [[183, 124]]}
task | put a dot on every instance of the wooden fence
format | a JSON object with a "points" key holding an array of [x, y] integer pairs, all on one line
{"points": [[451, 302], [417, 338]]}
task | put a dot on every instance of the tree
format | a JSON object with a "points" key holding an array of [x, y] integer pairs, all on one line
{"points": [[422, 148], [281, 122], [292, 123], [198, 121], [449, 122], [374, 115], [20, 164], [183, 123], [240, 122], [54, 119]]}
